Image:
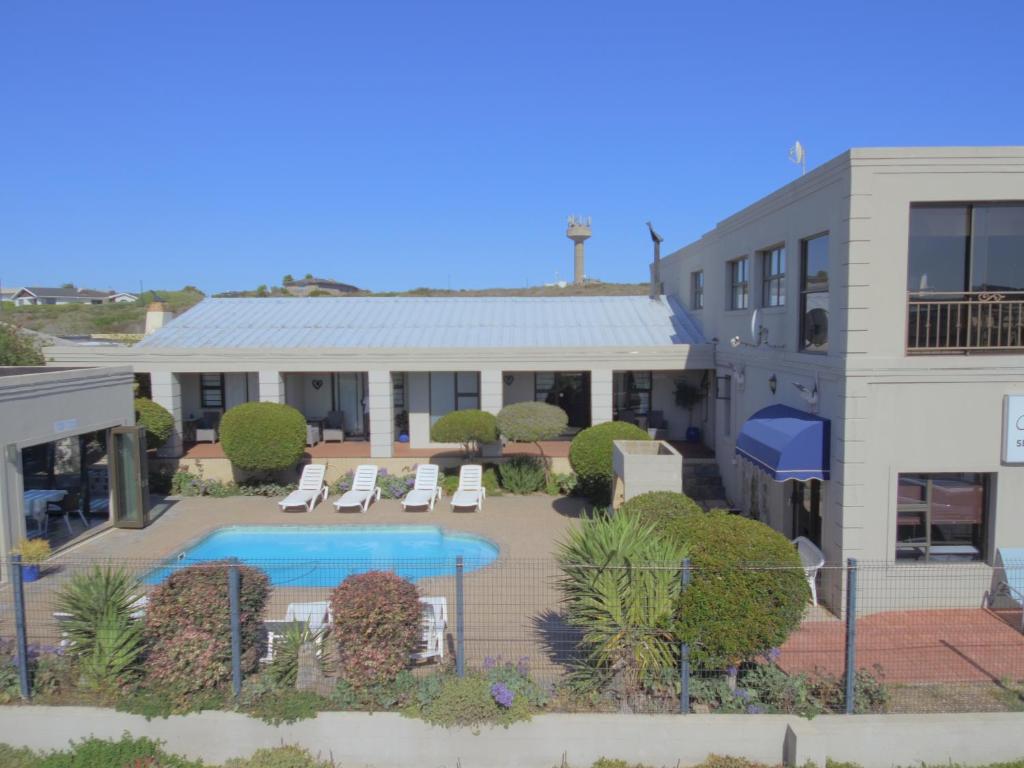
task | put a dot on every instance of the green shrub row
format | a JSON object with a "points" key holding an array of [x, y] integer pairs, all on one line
{"points": [[184, 483]]}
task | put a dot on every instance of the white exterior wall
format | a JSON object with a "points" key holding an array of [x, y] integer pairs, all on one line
{"points": [[890, 412]]}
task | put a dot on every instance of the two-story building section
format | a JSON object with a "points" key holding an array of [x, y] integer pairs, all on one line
{"points": [[869, 328]]}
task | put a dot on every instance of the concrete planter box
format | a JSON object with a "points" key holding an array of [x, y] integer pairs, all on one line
{"points": [[388, 740], [642, 466]]}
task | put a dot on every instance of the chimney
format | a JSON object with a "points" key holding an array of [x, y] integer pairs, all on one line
{"points": [[656, 291], [157, 316], [578, 232]]}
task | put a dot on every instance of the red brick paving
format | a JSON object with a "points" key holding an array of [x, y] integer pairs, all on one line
{"points": [[934, 646]]}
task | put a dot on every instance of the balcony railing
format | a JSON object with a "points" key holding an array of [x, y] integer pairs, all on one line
{"points": [[981, 321]]}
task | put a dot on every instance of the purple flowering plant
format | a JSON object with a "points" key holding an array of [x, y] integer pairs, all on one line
{"points": [[502, 695]]}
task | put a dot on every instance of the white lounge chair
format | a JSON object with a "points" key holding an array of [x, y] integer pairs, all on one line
{"points": [[435, 622], [425, 491], [813, 560], [1008, 578], [364, 489], [471, 491], [311, 491]]}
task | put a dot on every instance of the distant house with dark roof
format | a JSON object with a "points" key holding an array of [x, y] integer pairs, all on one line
{"points": [[309, 285], [38, 295]]}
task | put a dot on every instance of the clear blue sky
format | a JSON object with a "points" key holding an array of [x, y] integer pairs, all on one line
{"points": [[391, 145]]}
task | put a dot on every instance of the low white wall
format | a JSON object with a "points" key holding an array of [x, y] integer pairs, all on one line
{"points": [[389, 740]]}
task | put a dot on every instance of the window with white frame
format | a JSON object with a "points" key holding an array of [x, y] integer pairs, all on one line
{"points": [[739, 283], [697, 289], [773, 277]]}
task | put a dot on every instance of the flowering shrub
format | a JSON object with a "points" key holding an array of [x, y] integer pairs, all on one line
{"points": [[391, 486], [188, 626], [472, 701], [377, 618], [192, 484]]}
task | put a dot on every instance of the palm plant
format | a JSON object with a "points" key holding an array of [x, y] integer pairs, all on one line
{"points": [[621, 583], [284, 669], [103, 635]]}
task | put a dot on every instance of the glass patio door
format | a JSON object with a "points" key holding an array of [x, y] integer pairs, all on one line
{"points": [[129, 477]]}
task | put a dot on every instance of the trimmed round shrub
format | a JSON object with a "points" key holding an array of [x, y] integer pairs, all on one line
{"points": [[656, 506], [377, 619], [470, 428], [188, 626], [522, 474], [748, 589], [263, 437], [531, 422], [157, 420], [591, 457]]}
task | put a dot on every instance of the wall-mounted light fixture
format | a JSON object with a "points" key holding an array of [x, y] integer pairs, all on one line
{"points": [[509, 378], [773, 383]]}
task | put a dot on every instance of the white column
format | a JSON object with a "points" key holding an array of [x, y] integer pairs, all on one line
{"points": [[271, 386], [491, 391], [600, 396], [382, 415], [166, 390]]}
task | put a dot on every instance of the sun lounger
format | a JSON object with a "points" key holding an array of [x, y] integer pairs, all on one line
{"points": [[813, 560], [435, 622], [1008, 578], [364, 489], [316, 615], [425, 490], [470, 493], [311, 490]]}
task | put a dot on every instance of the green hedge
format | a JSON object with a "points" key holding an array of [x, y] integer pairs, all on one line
{"points": [[591, 457], [659, 505], [263, 437], [748, 591], [157, 420]]}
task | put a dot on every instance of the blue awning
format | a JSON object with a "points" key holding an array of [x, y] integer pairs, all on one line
{"points": [[786, 443]]}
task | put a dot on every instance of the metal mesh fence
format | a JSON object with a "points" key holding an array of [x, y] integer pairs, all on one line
{"points": [[941, 637]]}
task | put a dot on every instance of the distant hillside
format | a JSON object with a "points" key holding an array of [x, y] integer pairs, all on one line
{"points": [[589, 289], [89, 319]]}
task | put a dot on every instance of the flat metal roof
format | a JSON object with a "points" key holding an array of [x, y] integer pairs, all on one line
{"points": [[429, 322]]}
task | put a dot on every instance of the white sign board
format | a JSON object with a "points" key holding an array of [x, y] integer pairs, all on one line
{"points": [[1013, 429], [65, 425]]}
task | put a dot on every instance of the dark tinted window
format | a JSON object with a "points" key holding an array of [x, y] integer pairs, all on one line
{"points": [[939, 238]]}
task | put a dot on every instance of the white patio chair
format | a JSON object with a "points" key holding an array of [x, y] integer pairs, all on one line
{"points": [[364, 489], [425, 491], [311, 490], [1008, 578], [471, 492], [813, 560], [435, 622]]}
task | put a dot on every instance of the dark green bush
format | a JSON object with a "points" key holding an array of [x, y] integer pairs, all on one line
{"points": [[522, 474], [748, 590], [263, 437], [656, 506], [470, 428], [157, 420], [591, 457], [188, 626], [377, 618]]}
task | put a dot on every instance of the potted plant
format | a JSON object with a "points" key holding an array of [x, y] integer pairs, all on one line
{"points": [[687, 396], [33, 552]]}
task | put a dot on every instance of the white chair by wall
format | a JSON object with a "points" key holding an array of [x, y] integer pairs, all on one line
{"points": [[425, 490], [471, 492], [310, 491], [813, 560], [364, 489]]}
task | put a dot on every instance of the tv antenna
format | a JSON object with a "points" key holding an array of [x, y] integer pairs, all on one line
{"points": [[798, 156]]}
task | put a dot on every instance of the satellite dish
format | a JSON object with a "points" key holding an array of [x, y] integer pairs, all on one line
{"points": [[816, 327], [755, 328]]}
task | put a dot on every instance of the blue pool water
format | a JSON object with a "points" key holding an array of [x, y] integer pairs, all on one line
{"points": [[322, 556]]}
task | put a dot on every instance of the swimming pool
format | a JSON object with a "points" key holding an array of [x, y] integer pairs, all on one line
{"points": [[322, 556]]}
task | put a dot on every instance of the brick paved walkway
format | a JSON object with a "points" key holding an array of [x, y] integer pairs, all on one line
{"points": [[933, 646]]}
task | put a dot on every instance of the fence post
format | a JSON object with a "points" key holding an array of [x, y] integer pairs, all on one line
{"points": [[18, 586], [684, 649], [236, 630], [850, 672], [460, 635]]}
